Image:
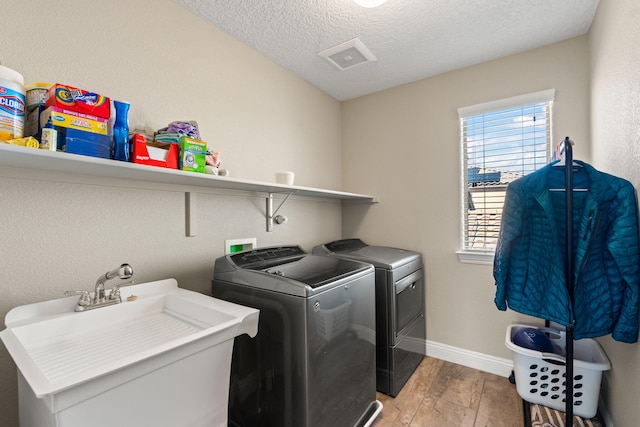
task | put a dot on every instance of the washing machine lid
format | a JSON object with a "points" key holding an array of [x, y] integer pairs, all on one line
{"points": [[316, 271], [259, 259], [292, 265], [380, 256]]}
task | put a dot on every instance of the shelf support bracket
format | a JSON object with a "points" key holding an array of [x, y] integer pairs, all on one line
{"points": [[191, 222], [270, 212]]}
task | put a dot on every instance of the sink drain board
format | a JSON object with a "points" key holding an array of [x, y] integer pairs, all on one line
{"points": [[80, 354]]}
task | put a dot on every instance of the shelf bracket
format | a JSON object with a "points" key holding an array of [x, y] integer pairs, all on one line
{"points": [[191, 223], [270, 212]]}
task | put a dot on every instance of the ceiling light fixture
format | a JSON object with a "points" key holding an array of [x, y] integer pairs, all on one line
{"points": [[369, 3]]}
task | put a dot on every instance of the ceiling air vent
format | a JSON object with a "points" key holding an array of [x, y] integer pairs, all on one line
{"points": [[348, 54]]}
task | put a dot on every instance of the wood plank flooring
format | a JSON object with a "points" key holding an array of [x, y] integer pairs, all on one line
{"points": [[443, 394]]}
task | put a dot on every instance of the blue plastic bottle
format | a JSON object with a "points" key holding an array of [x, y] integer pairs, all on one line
{"points": [[120, 149]]}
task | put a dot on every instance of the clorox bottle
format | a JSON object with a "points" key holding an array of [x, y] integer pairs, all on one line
{"points": [[12, 104]]}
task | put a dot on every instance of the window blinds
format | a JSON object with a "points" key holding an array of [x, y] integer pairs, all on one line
{"points": [[501, 141]]}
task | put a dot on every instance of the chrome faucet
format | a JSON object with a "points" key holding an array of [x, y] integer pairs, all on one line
{"points": [[100, 299], [123, 272]]}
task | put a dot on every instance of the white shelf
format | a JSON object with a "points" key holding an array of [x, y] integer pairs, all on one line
{"points": [[41, 160]]}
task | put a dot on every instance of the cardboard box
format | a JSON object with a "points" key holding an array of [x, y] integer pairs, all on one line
{"points": [[78, 133], [78, 100], [154, 156], [86, 143], [193, 153], [74, 120], [32, 123]]}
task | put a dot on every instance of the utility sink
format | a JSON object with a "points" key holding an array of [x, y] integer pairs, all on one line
{"points": [[162, 350]]}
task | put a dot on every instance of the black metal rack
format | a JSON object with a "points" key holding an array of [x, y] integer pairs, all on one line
{"points": [[569, 279], [569, 282]]}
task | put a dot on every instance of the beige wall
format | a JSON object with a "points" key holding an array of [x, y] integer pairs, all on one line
{"points": [[402, 145], [615, 117], [170, 65]]}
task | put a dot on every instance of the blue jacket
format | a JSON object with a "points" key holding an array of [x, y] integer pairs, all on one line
{"points": [[529, 261]]}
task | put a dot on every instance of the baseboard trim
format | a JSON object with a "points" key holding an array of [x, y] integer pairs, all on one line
{"points": [[472, 359]]}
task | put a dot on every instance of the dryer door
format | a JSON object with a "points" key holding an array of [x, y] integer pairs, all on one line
{"points": [[409, 300]]}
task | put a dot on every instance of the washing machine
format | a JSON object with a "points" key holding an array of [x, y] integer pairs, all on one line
{"points": [[400, 299], [312, 363]]}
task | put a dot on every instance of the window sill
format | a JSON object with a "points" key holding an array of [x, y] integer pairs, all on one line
{"points": [[469, 257]]}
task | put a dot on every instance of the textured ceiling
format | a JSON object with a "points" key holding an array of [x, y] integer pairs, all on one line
{"points": [[411, 39]]}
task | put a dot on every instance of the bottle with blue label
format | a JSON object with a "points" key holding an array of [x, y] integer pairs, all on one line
{"points": [[120, 146], [49, 137]]}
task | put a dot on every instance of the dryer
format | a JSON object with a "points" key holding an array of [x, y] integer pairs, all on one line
{"points": [[312, 363], [400, 300]]}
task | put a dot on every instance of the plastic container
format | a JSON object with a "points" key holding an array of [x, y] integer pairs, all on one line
{"points": [[36, 94], [49, 138], [121, 149], [540, 377], [332, 322], [12, 104], [285, 177]]}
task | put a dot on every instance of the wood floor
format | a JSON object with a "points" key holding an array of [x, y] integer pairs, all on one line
{"points": [[443, 394]]}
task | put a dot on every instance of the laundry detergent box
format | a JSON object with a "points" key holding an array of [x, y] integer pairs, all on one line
{"points": [[78, 100], [193, 153], [74, 120]]}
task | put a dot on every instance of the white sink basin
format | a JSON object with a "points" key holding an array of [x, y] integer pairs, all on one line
{"points": [[56, 348]]}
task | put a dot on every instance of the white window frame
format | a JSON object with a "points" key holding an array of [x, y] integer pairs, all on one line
{"points": [[473, 256]]}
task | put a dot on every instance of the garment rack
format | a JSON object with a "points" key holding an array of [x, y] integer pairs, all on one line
{"points": [[569, 280]]}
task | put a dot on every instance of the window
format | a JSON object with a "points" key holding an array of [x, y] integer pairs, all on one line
{"points": [[501, 141]]}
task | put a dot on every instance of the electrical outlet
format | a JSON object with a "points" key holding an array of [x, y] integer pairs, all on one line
{"points": [[238, 245]]}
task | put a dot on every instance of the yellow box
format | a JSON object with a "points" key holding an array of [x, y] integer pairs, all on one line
{"points": [[73, 120]]}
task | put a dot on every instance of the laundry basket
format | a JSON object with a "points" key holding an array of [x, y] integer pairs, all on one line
{"points": [[333, 321], [540, 377]]}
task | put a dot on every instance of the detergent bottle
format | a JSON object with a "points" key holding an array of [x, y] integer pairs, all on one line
{"points": [[121, 132]]}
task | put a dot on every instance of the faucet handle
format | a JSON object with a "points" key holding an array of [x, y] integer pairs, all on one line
{"points": [[115, 291], [85, 298]]}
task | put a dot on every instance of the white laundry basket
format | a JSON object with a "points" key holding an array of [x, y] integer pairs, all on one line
{"points": [[332, 322], [540, 377]]}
